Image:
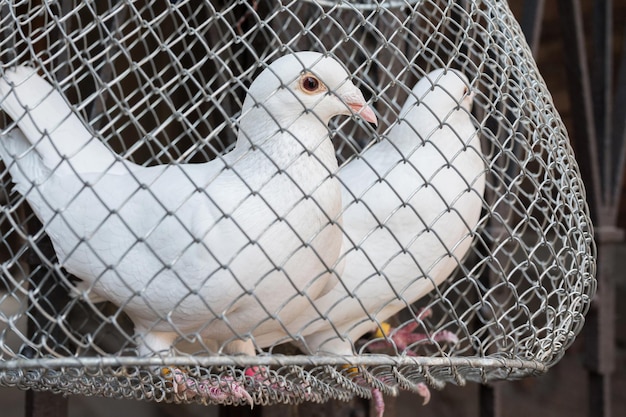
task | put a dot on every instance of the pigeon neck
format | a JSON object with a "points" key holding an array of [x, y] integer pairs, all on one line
{"points": [[304, 150], [427, 126], [289, 134]]}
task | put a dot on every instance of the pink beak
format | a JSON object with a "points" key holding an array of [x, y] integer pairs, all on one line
{"points": [[365, 111]]}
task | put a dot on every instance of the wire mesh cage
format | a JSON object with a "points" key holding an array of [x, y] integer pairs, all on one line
{"points": [[489, 278]]}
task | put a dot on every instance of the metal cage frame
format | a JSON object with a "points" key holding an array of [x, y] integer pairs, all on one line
{"points": [[513, 111]]}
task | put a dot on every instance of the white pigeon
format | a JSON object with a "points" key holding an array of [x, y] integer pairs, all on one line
{"points": [[217, 250], [411, 204]]}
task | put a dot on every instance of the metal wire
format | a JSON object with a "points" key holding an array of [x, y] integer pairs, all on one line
{"points": [[163, 82]]}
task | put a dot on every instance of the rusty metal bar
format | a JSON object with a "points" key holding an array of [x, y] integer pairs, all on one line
{"points": [[600, 329], [619, 118], [579, 88], [590, 95], [601, 86]]}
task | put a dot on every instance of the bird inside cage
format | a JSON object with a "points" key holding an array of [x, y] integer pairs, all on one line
{"points": [[194, 248], [411, 204], [404, 203], [436, 232]]}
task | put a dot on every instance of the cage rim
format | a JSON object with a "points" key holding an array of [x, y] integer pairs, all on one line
{"points": [[277, 360]]}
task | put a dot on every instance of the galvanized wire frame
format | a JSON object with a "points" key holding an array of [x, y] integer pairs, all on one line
{"points": [[163, 82]]}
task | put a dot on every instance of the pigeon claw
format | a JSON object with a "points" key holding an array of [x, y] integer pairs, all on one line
{"points": [[222, 391], [403, 338], [424, 392], [379, 402], [446, 336], [262, 378]]}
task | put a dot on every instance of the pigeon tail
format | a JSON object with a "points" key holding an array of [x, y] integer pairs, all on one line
{"points": [[26, 167], [50, 124]]}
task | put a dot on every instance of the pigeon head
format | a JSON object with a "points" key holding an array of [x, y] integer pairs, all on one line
{"points": [[304, 87], [445, 92], [442, 98]]}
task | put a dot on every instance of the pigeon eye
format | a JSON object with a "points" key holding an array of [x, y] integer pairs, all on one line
{"points": [[310, 83]]}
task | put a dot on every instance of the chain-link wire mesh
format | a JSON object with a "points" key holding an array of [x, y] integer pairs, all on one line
{"points": [[163, 82]]}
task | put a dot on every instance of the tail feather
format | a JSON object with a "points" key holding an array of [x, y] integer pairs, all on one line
{"points": [[25, 166], [50, 124]]}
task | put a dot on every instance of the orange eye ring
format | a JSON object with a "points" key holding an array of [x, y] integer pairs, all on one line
{"points": [[310, 84]]}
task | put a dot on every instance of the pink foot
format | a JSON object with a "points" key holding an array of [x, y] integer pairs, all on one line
{"points": [[424, 392], [261, 376], [406, 336], [218, 391], [402, 339], [379, 402]]}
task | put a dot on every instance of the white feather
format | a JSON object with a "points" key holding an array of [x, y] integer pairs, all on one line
{"points": [[411, 203], [221, 249], [43, 115]]}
